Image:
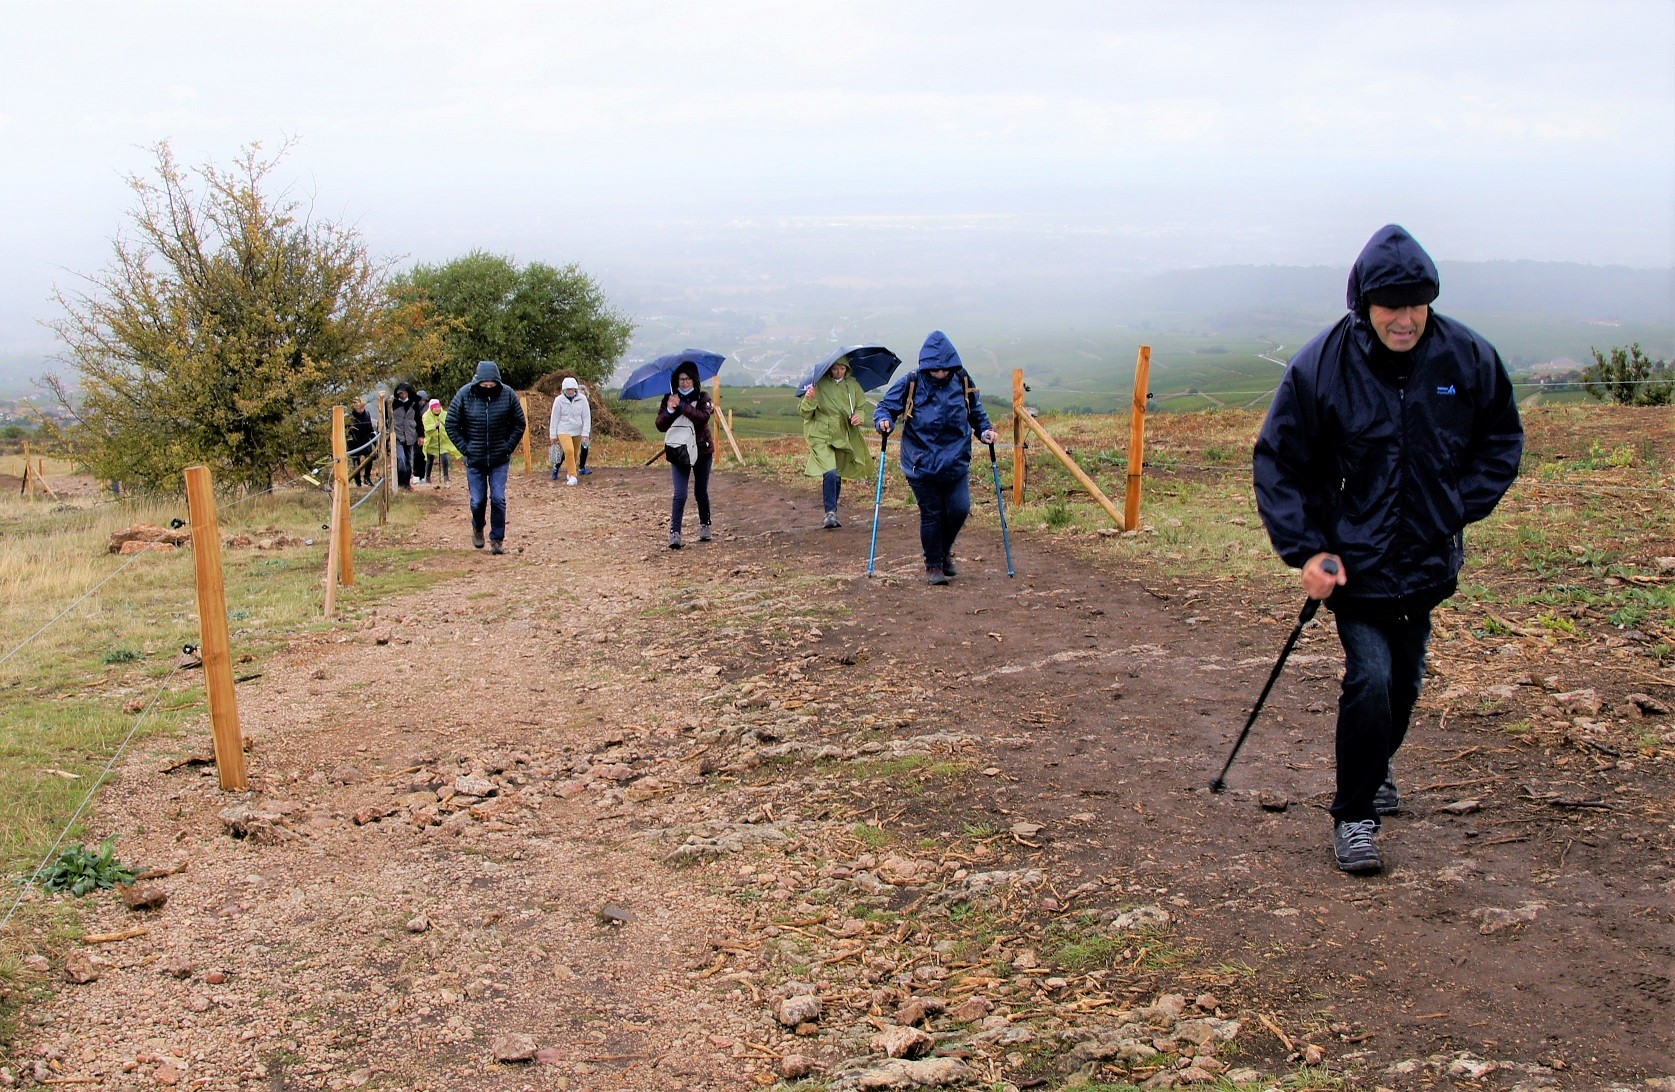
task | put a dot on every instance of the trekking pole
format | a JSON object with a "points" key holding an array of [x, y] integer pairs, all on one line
{"points": [[1329, 567], [878, 499], [1000, 506]]}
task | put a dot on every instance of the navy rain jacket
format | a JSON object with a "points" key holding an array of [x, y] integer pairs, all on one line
{"points": [[1387, 474], [486, 425], [936, 441]]}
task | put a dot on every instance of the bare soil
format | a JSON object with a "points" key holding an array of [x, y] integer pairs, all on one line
{"points": [[618, 798]]}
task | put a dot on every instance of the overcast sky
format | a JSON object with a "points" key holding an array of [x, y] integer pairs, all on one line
{"points": [[1200, 133]]}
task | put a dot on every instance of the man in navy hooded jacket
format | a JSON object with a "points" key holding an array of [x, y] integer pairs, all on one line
{"points": [[486, 422], [944, 413], [1389, 433]]}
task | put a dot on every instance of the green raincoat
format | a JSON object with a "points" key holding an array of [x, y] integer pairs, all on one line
{"points": [[834, 443], [437, 441]]}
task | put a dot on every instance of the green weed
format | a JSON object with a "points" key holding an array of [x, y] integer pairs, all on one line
{"points": [[79, 871]]}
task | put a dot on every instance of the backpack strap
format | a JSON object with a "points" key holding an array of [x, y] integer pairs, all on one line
{"points": [[907, 405]]}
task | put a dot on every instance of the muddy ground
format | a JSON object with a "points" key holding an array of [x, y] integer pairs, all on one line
{"points": [[586, 817]]}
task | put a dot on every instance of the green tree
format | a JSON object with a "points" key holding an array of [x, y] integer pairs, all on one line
{"points": [[224, 330], [530, 321], [1630, 378]]}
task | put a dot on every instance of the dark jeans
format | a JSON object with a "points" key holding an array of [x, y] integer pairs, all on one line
{"points": [[408, 458], [831, 486], [1384, 666], [943, 507], [700, 476], [489, 485]]}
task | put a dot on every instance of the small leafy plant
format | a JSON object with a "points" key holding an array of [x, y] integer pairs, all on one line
{"points": [[79, 870]]}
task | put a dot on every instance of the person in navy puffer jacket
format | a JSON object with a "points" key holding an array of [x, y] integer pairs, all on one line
{"points": [[486, 422], [941, 411], [1389, 433]]}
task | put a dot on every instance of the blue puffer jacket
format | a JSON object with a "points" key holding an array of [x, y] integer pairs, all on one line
{"points": [[936, 440], [1386, 474], [486, 424]]}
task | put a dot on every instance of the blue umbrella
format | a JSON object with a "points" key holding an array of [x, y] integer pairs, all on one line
{"points": [[871, 365], [651, 380]]}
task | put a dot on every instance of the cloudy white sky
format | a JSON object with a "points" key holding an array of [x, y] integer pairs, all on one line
{"points": [[597, 131]]}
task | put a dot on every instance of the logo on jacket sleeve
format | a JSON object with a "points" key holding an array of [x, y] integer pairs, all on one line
{"points": [[1447, 390]]}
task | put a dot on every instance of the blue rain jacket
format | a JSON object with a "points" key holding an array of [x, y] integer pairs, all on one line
{"points": [[1386, 474], [936, 438]]}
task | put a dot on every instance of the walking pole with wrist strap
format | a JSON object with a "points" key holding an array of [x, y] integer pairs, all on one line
{"points": [[878, 499], [1000, 506], [1330, 568]]}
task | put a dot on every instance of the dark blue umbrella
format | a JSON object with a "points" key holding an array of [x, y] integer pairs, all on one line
{"points": [[651, 380], [871, 365]]}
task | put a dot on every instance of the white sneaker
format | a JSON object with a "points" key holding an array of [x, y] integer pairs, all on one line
{"points": [[571, 480]]}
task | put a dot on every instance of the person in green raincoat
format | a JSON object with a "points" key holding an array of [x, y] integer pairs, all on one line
{"points": [[833, 409], [438, 447]]}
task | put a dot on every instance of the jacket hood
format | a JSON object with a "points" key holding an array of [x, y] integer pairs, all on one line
{"points": [[1390, 259], [487, 372], [404, 386], [685, 367], [939, 352]]}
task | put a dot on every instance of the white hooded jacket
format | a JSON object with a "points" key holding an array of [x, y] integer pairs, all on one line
{"points": [[570, 417]]}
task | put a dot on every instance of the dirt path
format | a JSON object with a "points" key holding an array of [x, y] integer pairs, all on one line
{"points": [[622, 801]]}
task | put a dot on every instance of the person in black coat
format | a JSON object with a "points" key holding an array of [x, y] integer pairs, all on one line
{"points": [[486, 422], [361, 433], [1389, 433]]}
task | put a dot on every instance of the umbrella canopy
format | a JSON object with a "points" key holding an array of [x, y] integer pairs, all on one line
{"points": [[871, 365], [651, 380]]}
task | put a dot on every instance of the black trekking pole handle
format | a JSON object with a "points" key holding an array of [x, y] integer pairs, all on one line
{"points": [[1310, 606]]}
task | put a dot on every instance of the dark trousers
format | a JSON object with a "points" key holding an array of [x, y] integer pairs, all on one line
{"points": [[700, 477], [1384, 666], [488, 486], [409, 459], [831, 486], [943, 507]]}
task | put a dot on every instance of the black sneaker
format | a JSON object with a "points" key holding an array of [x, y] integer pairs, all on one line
{"points": [[831, 521], [674, 540], [948, 566], [1387, 801], [477, 537], [935, 575], [1353, 845]]}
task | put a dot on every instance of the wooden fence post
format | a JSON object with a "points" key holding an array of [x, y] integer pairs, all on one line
{"points": [[385, 449], [727, 424], [212, 630], [528, 459], [343, 523], [1137, 438], [1018, 434]]}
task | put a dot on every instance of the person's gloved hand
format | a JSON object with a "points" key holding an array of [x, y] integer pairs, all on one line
{"points": [[882, 425], [988, 436]]}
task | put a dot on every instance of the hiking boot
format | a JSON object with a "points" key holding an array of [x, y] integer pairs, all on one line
{"points": [[935, 575], [831, 521], [477, 537], [948, 566], [497, 547], [1353, 845], [704, 534], [674, 540], [1387, 801]]}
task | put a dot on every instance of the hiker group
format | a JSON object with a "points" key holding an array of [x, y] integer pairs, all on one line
{"points": [[1389, 433]]}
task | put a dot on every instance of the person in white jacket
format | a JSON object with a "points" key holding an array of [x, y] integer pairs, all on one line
{"points": [[570, 429]]}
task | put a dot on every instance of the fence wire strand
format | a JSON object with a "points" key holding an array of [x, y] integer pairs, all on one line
{"points": [[87, 798]]}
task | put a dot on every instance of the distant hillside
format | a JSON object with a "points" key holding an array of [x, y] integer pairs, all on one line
{"points": [[1543, 290]]}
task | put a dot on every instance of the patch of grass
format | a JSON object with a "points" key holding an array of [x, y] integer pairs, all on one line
{"points": [[1310, 1078], [1087, 954], [1552, 623], [1058, 515], [870, 836], [121, 656]]}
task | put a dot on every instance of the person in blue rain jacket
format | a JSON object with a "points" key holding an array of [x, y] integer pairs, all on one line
{"points": [[940, 411]]}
